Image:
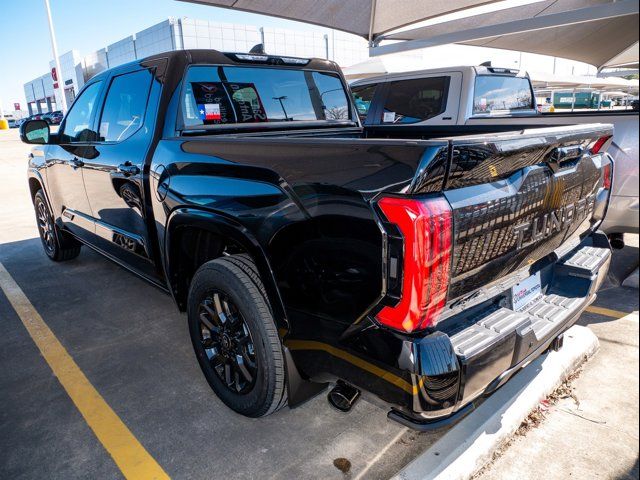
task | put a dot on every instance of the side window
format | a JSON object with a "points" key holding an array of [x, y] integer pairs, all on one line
{"points": [[362, 97], [124, 108], [411, 101], [77, 126]]}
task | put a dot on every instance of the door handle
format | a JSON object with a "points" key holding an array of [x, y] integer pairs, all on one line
{"points": [[127, 169], [75, 162]]}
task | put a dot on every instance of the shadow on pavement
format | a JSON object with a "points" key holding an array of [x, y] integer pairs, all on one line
{"points": [[131, 342]]}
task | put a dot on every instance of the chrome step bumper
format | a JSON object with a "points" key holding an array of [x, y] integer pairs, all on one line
{"points": [[499, 341]]}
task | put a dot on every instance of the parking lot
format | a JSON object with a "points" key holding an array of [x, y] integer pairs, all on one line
{"points": [[129, 341]]}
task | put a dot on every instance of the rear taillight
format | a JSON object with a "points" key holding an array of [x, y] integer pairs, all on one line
{"points": [[426, 227], [607, 176], [598, 144]]}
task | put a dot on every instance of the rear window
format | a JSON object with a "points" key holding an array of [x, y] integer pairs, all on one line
{"points": [[243, 95], [411, 101], [495, 93]]}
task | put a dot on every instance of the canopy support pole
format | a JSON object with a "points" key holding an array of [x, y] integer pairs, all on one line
{"points": [[372, 23]]}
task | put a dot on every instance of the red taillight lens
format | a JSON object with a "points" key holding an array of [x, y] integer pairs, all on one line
{"points": [[598, 144], [607, 176], [426, 226]]}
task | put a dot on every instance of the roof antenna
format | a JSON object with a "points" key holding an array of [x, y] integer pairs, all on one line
{"points": [[258, 49], [486, 64]]}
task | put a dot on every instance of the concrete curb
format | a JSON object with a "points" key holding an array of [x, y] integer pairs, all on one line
{"points": [[470, 445], [632, 280]]}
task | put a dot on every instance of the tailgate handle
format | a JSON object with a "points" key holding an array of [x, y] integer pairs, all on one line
{"points": [[565, 157]]}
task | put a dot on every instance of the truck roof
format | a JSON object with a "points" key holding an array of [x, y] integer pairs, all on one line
{"points": [[464, 69], [210, 56]]}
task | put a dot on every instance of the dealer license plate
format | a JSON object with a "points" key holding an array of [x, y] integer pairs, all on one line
{"points": [[526, 292]]}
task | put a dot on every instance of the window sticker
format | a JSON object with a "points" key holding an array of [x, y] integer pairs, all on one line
{"points": [[225, 102], [210, 111], [389, 117], [213, 103], [247, 102]]}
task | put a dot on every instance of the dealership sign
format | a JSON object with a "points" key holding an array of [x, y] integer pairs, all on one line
{"points": [[54, 76], [16, 106]]}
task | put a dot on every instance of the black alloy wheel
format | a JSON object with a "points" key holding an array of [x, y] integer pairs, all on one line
{"points": [[234, 336], [45, 226], [59, 246], [227, 342]]}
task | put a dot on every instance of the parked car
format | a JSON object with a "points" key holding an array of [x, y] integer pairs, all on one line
{"points": [[37, 116], [44, 116], [305, 249], [11, 120], [52, 118], [501, 99]]}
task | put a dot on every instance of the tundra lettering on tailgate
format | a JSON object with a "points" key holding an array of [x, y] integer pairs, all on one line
{"points": [[553, 222]]}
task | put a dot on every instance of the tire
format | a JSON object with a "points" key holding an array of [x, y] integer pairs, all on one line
{"points": [[57, 245], [254, 383]]}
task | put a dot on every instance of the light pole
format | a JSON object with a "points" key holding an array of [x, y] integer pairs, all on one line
{"points": [[54, 47], [280, 99]]}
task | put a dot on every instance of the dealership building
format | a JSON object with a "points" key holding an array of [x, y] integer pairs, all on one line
{"points": [[186, 33]]}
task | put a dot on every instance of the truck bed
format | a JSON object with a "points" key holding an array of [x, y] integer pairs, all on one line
{"points": [[494, 182]]}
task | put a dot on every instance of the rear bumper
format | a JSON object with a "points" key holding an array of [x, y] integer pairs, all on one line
{"points": [[478, 351]]}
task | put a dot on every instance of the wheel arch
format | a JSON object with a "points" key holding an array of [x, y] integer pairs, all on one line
{"points": [[36, 182], [215, 233], [228, 230]]}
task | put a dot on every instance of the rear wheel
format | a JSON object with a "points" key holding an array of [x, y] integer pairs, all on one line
{"points": [[57, 245], [235, 338]]}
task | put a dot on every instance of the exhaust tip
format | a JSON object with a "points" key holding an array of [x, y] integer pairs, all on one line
{"points": [[343, 396], [617, 241]]}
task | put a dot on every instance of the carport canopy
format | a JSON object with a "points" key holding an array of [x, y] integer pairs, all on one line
{"points": [[603, 33], [366, 18]]}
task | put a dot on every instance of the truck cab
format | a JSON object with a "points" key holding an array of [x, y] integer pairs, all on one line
{"points": [[444, 96]]}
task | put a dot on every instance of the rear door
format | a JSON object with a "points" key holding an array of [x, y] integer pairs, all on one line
{"points": [[114, 177]]}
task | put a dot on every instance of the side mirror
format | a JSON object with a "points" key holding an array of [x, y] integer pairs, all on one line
{"points": [[35, 132]]}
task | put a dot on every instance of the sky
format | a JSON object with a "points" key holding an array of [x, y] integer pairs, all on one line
{"points": [[88, 25]]}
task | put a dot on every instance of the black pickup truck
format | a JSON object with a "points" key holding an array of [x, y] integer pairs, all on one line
{"points": [[425, 267]]}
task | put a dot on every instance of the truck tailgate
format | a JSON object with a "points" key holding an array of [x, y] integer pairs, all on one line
{"points": [[518, 197]]}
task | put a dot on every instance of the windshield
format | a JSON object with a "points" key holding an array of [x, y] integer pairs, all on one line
{"points": [[243, 95]]}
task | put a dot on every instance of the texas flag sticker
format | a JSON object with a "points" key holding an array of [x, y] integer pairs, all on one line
{"points": [[210, 111]]}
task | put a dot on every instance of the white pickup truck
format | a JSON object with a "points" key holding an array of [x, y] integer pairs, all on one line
{"points": [[481, 98]]}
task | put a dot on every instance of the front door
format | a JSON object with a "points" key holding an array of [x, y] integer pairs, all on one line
{"points": [[65, 159], [114, 177]]}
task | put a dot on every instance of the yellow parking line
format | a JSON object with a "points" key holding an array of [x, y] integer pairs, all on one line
{"points": [[352, 359], [607, 312], [127, 452]]}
